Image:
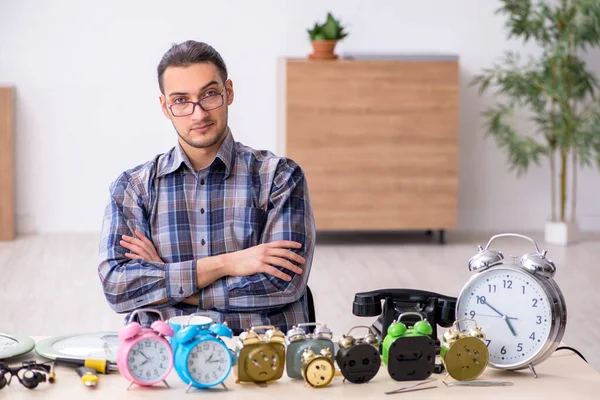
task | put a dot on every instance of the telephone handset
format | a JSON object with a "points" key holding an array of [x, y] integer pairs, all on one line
{"points": [[436, 308]]}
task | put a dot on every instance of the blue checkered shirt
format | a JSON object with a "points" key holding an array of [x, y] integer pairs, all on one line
{"points": [[244, 198]]}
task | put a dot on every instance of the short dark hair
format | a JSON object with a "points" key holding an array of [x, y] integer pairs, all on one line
{"points": [[188, 53]]}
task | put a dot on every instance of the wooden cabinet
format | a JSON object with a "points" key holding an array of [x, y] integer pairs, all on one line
{"points": [[378, 140], [7, 194]]}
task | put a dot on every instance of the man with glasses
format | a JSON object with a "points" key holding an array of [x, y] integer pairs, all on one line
{"points": [[211, 226]]}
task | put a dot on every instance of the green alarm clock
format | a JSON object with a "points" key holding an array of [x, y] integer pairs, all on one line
{"points": [[409, 352]]}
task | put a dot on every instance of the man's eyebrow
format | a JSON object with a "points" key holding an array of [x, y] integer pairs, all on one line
{"points": [[201, 89]]}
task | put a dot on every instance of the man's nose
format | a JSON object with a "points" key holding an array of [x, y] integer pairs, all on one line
{"points": [[198, 113]]}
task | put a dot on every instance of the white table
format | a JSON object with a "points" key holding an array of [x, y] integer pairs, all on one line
{"points": [[564, 375]]}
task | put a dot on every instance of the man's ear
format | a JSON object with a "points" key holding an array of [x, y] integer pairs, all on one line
{"points": [[229, 88], [163, 106]]}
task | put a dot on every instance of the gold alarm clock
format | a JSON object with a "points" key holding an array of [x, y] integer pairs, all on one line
{"points": [[318, 369], [261, 357], [463, 352]]}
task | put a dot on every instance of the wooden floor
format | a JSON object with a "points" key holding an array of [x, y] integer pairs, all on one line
{"points": [[49, 284]]}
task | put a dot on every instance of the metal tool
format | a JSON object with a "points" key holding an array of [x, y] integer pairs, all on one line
{"points": [[413, 388], [100, 366], [479, 383], [88, 376]]}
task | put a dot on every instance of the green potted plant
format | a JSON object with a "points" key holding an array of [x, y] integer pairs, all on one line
{"points": [[560, 93], [324, 37]]}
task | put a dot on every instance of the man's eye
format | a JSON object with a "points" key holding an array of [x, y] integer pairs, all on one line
{"points": [[211, 93], [179, 100]]}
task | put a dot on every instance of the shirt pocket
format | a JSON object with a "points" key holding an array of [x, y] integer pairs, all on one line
{"points": [[246, 227]]}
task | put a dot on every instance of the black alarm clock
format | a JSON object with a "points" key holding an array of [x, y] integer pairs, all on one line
{"points": [[358, 358]]}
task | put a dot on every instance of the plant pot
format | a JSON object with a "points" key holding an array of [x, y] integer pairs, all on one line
{"points": [[561, 233], [323, 50]]}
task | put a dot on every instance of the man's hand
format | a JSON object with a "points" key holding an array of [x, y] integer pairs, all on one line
{"points": [[140, 247], [263, 259]]}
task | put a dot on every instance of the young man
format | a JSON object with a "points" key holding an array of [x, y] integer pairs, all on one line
{"points": [[211, 226]]}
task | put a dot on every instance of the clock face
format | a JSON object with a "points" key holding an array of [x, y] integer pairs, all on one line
{"points": [[7, 344], [209, 362], [319, 372], [513, 311], [149, 360], [88, 346]]}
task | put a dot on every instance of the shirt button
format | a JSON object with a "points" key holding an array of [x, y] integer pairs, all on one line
{"points": [[203, 242], [202, 181], [202, 211]]}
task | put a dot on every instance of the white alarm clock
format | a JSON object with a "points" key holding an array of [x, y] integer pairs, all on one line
{"points": [[517, 304]]}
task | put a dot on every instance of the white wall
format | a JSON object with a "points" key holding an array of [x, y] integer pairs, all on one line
{"points": [[87, 99]]}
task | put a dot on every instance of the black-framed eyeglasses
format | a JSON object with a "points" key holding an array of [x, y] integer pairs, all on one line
{"points": [[30, 374], [207, 103]]}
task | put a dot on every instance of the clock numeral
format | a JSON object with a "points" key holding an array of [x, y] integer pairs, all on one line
{"points": [[472, 313], [539, 320], [507, 284], [503, 350], [134, 352], [523, 289], [520, 347], [534, 301], [492, 288], [532, 336], [488, 343], [480, 299], [147, 344]]}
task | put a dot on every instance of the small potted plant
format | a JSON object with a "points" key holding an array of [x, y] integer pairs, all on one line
{"points": [[324, 37]]}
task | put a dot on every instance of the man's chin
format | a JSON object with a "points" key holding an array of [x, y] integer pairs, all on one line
{"points": [[202, 140]]}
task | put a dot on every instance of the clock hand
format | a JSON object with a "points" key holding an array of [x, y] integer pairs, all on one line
{"points": [[496, 311], [495, 316], [504, 317], [509, 325], [145, 356]]}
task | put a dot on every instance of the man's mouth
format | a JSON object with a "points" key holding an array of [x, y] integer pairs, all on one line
{"points": [[202, 128]]}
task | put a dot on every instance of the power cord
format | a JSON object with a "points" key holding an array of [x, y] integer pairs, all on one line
{"points": [[573, 350]]}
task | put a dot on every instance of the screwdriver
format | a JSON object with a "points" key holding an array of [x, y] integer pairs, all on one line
{"points": [[99, 366], [88, 376]]}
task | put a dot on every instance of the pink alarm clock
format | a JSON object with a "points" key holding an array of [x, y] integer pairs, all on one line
{"points": [[144, 356]]}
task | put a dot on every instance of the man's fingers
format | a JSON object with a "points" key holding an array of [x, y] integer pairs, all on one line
{"points": [[267, 269], [284, 244], [132, 256], [290, 255], [149, 248], [143, 238], [282, 262], [136, 249]]}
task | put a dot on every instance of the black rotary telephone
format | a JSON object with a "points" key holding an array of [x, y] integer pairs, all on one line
{"points": [[436, 308]]}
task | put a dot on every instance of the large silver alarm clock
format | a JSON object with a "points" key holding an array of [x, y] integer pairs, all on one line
{"points": [[517, 304]]}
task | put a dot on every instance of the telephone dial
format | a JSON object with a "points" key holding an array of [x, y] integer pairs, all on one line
{"points": [[437, 309]]}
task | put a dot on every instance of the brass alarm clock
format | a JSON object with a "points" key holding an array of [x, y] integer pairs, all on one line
{"points": [[463, 352], [518, 304], [318, 369], [261, 357]]}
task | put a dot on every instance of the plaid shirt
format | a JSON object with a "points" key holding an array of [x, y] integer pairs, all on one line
{"points": [[244, 198]]}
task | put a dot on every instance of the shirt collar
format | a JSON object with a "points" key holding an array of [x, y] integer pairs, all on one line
{"points": [[177, 157], [226, 152]]}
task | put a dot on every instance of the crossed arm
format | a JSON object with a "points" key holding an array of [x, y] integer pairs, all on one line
{"points": [[258, 278]]}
